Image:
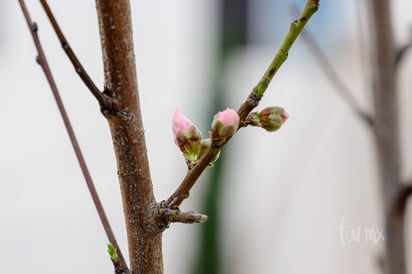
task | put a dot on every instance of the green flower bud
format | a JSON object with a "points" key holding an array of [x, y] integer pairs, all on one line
{"points": [[272, 118]]}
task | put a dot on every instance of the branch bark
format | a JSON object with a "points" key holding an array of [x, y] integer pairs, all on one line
{"points": [[387, 139], [139, 204]]}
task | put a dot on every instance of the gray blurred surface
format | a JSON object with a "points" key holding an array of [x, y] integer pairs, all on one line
{"points": [[286, 193]]}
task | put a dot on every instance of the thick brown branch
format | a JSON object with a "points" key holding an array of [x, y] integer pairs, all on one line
{"points": [[385, 97], [103, 99], [41, 59], [386, 113], [140, 207]]}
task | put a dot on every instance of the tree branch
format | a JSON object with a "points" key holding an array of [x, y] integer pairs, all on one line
{"points": [[41, 59], [401, 52], [139, 204], [143, 215], [167, 216], [295, 30], [103, 99], [387, 139], [404, 194], [252, 101]]}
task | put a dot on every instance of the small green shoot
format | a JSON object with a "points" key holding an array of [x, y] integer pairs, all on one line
{"points": [[112, 252]]}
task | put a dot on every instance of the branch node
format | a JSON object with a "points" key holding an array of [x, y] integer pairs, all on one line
{"points": [[402, 50], [167, 215], [404, 193], [34, 27], [84, 76], [254, 98], [64, 45], [38, 61]]}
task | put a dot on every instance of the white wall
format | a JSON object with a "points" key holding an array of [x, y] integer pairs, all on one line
{"points": [[285, 198]]}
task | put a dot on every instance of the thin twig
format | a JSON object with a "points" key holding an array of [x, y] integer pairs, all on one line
{"points": [[404, 194], [296, 27], [101, 97], [401, 52], [177, 216], [331, 74], [41, 59], [182, 192]]}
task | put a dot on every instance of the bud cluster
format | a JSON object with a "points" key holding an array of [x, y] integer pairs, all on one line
{"points": [[189, 138], [225, 123]]}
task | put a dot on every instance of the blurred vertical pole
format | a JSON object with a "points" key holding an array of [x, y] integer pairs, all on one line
{"points": [[3, 25], [233, 18], [386, 111]]}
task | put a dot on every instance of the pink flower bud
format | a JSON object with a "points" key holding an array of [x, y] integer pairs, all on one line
{"points": [[228, 117], [224, 125], [180, 123], [187, 137]]}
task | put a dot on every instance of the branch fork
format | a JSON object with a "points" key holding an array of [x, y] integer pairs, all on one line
{"points": [[251, 102], [120, 264], [166, 215], [145, 218]]}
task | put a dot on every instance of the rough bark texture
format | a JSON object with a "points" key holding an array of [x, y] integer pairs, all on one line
{"points": [[386, 109], [144, 238]]}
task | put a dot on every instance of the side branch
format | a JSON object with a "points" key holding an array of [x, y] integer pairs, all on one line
{"points": [[104, 100], [167, 216], [182, 192], [403, 50], [41, 59], [295, 29], [404, 194]]}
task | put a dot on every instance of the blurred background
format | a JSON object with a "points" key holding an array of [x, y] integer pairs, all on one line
{"points": [[284, 202]]}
